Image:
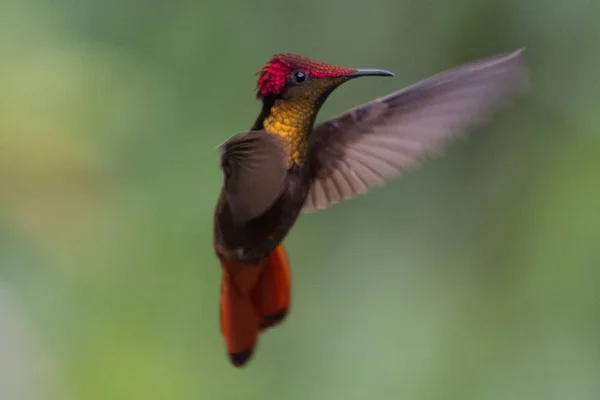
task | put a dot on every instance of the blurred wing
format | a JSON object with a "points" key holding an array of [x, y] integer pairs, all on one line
{"points": [[255, 170], [374, 142]]}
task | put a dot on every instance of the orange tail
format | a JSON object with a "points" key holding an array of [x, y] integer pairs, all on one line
{"points": [[253, 297]]}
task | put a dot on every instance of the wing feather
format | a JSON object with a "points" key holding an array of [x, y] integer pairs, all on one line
{"points": [[255, 171], [376, 142]]}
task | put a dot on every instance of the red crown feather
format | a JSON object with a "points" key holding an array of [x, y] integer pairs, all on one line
{"points": [[274, 74]]}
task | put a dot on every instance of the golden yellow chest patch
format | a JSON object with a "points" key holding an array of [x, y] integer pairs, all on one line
{"points": [[291, 120]]}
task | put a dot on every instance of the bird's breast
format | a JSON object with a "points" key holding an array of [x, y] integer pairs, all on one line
{"points": [[291, 121]]}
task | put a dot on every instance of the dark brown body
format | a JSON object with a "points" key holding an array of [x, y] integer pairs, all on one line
{"points": [[258, 238]]}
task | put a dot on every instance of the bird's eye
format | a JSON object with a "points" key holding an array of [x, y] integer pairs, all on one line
{"points": [[299, 77]]}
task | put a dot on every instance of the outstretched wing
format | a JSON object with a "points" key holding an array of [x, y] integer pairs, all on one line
{"points": [[255, 170], [372, 143]]}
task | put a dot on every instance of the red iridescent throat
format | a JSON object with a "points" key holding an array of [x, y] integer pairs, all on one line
{"points": [[275, 73]]}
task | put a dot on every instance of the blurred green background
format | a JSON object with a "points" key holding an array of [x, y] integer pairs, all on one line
{"points": [[474, 277]]}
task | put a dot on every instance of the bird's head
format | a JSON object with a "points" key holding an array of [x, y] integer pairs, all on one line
{"points": [[292, 89], [290, 76]]}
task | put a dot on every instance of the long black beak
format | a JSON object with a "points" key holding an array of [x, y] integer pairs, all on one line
{"points": [[369, 72]]}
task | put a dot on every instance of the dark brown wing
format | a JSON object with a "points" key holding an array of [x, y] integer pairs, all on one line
{"points": [[254, 168], [374, 142]]}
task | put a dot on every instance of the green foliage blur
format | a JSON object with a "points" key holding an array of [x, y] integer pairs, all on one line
{"points": [[476, 276]]}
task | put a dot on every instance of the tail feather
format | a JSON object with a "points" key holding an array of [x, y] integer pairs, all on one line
{"points": [[259, 300], [239, 322], [271, 295]]}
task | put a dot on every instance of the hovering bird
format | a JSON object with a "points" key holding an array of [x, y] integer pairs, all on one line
{"points": [[286, 165]]}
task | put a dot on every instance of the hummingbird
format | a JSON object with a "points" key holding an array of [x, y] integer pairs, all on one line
{"points": [[286, 164]]}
